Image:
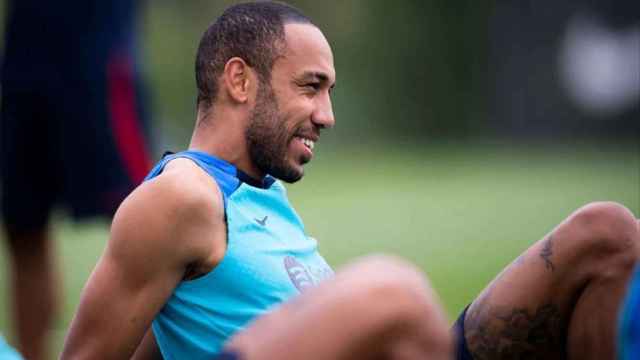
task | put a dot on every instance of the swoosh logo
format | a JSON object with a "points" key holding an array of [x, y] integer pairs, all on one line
{"points": [[262, 222]]}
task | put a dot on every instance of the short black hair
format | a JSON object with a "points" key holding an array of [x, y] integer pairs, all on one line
{"points": [[253, 31]]}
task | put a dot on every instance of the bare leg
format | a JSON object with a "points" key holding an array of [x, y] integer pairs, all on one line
{"points": [[560, 298], [377, 308], [34, 290]]}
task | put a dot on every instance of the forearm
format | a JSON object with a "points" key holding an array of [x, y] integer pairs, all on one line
{"points": [[102, 328], [115, 312]]}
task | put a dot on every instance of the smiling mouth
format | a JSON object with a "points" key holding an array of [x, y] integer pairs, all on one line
{"points": [[307, 142]]}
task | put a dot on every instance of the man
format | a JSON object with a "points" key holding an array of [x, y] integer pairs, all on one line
{"points": [[71, 134], [209, 243]]}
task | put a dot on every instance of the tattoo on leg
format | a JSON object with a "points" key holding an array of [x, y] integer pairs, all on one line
{"points": [[546, 253], [516, 333]]}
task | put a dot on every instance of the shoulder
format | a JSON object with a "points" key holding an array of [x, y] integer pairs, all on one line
{"points": [[175, 211], [186, 188]]}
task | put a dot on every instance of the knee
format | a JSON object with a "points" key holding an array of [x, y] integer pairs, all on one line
{"points": [[400, 295], [390, 279], [388, 271], [606, 228]]}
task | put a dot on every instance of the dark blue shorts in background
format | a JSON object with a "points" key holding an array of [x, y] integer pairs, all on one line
{"points": [[72, 123], [79, 143]]}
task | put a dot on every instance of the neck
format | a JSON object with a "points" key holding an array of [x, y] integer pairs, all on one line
{"points": [[222, 134]]}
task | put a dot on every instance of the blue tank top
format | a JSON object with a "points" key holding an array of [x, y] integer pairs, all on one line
{"points": [[7, 352], [269, 259]]}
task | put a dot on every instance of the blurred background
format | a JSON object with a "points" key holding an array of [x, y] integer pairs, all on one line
{"points": [[465, 130]]}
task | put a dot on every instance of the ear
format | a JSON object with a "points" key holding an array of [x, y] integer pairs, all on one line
{"points": [[238, 79]]}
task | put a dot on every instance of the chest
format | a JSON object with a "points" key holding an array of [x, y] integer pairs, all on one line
{"points": [[269, 245]]}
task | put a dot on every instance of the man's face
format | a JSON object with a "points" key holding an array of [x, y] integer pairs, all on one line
{"points": [[289, 113]]}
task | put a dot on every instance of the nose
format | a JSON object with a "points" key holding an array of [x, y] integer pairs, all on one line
{"points": [[323, 114]]}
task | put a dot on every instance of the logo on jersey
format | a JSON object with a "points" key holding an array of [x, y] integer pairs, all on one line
{"points": [[303, 278], [298, 273], [262, 222]]}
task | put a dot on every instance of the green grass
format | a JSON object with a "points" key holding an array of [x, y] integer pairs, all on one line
{"points": [[459, 214]]}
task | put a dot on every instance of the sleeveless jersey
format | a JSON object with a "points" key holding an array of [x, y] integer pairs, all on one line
{"points": [[269, 259], [7, 352]]}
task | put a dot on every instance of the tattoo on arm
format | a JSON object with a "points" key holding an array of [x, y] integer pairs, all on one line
{"points": [[546, 253]]}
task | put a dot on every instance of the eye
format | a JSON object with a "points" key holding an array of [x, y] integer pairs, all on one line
{"points": [[315, 86]]}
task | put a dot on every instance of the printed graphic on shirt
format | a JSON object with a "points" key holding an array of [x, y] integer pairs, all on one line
{"points": [[302, 276]]}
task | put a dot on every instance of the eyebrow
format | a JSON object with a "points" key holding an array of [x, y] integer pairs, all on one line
{"points": [[316, 75]]}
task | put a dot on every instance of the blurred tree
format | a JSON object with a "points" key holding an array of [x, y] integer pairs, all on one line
{"points": [[408, 71]]}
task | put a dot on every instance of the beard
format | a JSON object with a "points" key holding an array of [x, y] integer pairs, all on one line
{"points": [[268, 139]]}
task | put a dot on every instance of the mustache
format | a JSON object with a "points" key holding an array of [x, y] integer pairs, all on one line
{"points": [[309, 132]]}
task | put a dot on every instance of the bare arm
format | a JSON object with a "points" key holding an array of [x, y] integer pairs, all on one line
{"points": [[148, 348], [159, 231]]}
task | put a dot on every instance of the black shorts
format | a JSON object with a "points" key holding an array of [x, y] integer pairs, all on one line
{"points": [[460, 343], [78, 142]]}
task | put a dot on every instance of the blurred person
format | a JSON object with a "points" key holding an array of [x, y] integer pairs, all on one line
{"points": [[71, 134], [210, 242]]}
